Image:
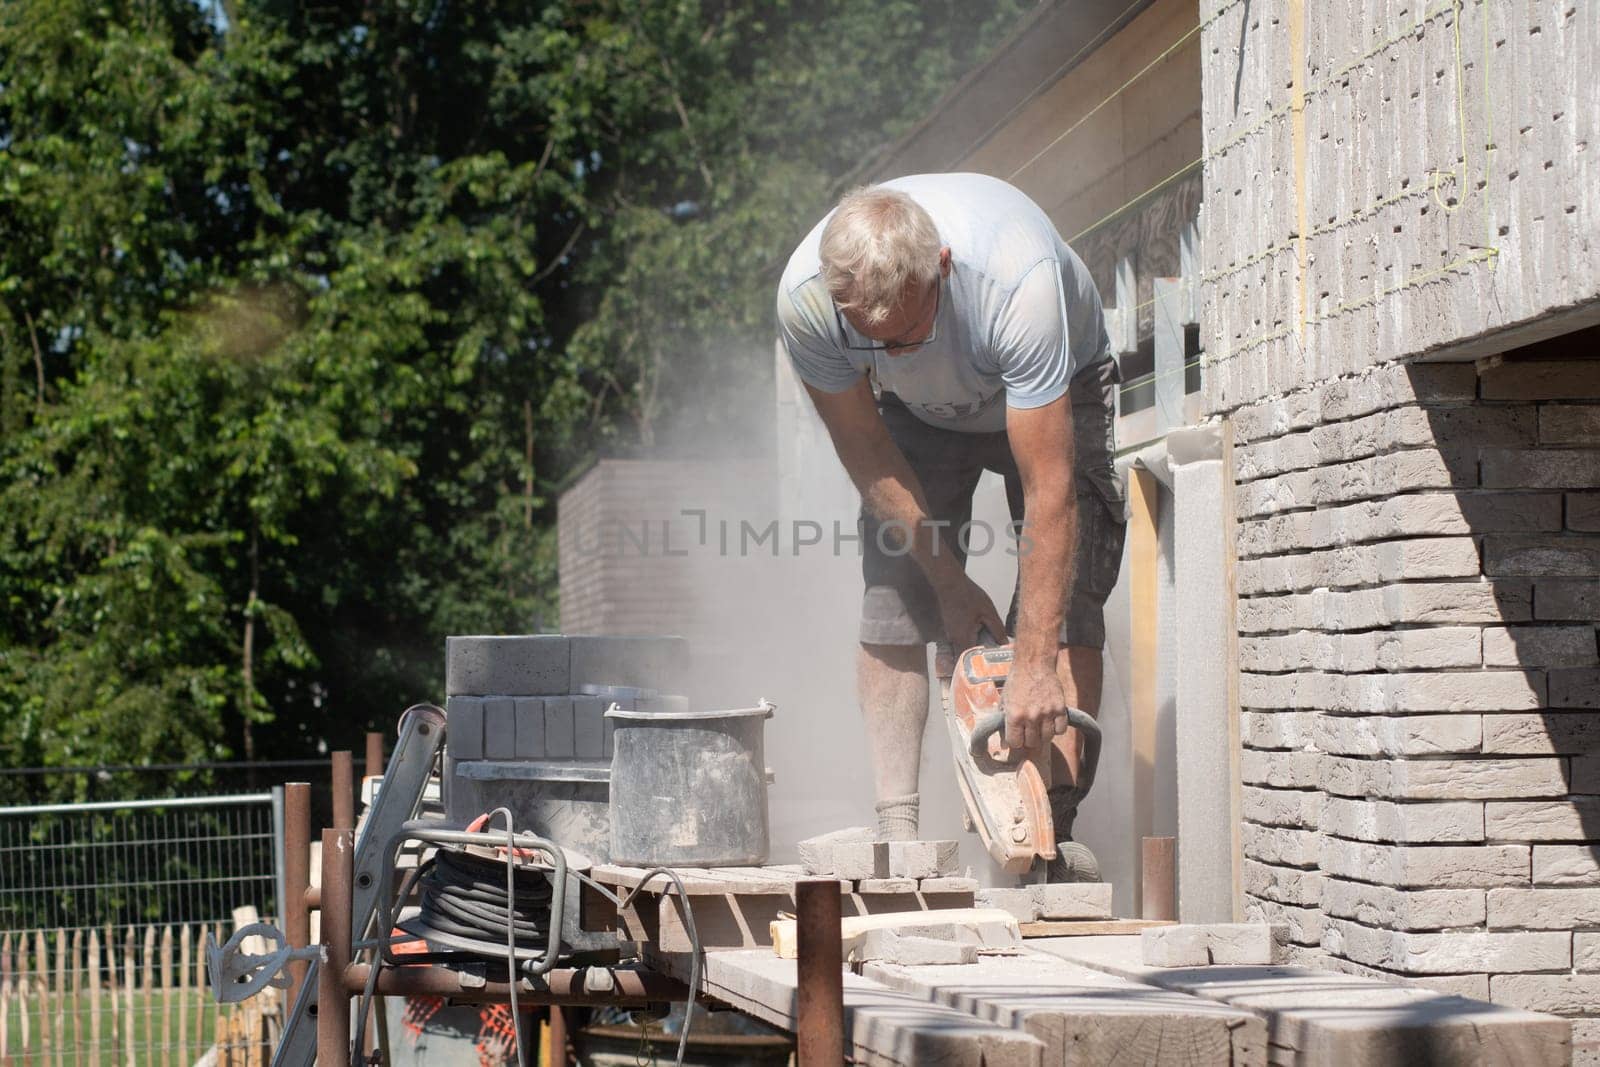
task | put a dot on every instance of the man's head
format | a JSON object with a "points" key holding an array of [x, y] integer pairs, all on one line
{"points": [[881, 261]]}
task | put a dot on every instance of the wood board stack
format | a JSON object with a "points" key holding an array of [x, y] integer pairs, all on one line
{"points": [[733, 907]]}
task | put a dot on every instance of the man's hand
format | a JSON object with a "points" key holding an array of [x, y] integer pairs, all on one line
{"points": [[1036, 707], [966, 609]]}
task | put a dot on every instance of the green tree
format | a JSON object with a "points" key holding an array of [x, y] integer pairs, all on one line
{"points": [[306, 310]]}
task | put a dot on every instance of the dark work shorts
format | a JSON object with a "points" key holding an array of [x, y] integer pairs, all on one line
{"points": [[900, 608]]}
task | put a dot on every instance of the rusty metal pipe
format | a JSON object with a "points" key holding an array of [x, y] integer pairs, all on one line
{"points": [[558, 1038], [566, 986], [296, 876], [819, 1021], [1158, 868], [374, 754], [333, 1001], [344, 791]]}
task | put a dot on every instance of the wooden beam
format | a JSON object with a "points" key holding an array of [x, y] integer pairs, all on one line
{"points": [[1143, 548]]}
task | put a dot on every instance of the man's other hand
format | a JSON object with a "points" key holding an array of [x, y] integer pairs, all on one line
{"points": [[1036, 707], [967, 609]]}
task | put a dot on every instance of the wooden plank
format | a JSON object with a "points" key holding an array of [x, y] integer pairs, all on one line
{"points": [[1090, 927], [129, 964], [147, 978], [1143, 547], [77, 998], [61, 997], [1082, 1015], [883, 1027], [94, 998], [41, 970], [5, 997], [166, 994], [199, 986], [183, 987], [24, 985]]}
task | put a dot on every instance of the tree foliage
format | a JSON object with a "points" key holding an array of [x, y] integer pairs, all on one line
{"points": [[307, 310]]}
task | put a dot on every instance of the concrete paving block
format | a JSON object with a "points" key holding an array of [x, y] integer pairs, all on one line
{"points": [[499, 728], [588, 727], [1079, 900], [660, 663], [817, 852], [1019, 902], [559, 742], [892, 946], [464, 727], [1175, 946], [922, 859], [530, 727], [524, 665]]}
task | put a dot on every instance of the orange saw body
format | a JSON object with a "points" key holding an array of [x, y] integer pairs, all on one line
{"points": [[1006, 790]]}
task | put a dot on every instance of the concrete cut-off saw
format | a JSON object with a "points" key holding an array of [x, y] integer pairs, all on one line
{"points": [[1006, 790]]}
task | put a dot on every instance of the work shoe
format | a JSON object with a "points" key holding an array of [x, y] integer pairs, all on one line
{"points": [[1073, 861]]}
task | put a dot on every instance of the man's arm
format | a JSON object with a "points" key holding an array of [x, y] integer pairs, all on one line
{"points": [[1042, 444], [891, 492]]}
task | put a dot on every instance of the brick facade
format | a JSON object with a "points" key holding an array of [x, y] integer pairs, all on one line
{"points": [[1418, 565]]}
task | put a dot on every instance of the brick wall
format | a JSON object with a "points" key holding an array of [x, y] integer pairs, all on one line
{"points": [[1419, 583]]}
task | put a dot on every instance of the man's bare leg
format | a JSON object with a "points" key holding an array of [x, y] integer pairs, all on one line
{"points": [[892, 685]]}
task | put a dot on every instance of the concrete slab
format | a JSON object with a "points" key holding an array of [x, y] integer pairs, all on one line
{"points": [[494, 665], [1327, 1019]]}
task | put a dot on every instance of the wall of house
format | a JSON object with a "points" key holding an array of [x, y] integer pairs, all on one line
{"points": [[1419, 557]]}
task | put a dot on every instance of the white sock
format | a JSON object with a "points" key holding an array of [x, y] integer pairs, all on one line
{"points": [[898, 817]]}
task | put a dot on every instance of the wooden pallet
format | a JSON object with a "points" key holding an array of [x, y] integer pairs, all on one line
{"points": [[733, 907]]}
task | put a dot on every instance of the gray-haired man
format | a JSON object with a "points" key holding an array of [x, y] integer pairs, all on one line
{"points": [[983, 333]]}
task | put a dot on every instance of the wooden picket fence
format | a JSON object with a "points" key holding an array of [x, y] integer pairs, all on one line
{"points": [[129, 995]]}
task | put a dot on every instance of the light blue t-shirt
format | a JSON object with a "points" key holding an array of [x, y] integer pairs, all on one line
{"points": [[1018, 315]]}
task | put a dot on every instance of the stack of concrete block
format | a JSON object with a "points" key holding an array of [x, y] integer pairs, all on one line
{"points": [[1205, 944], [880, 869]]}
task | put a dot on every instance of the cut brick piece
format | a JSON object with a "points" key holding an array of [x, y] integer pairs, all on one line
{"points": [[530, 665], [1019, 902], [1072, 900], [855, 860], [922, 859], [1174, 946], [530, 727], [910, 950], [1245, 944], [817, 852]]}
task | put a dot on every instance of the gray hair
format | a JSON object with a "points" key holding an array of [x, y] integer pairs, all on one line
{"points": [[878, 243]]}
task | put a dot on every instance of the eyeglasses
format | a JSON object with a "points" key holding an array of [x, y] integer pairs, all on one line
{"points": [[883, 346]]}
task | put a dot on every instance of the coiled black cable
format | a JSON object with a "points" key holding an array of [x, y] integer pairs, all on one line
{"points": [[464, 896]]}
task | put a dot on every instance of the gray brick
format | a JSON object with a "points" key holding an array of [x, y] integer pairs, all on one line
{"points": [[1019, 902], [1559, 599], [1403, 909], [1585, 775], [1544, 909], [1586, 952], [922, 859], [1395, 385], [1539, 646], [1303, 926], [1562, 994], [1536, 555], [1577, 819], [1383, 821], [1583, 512], [1174, 946], [817, 852], [499, 728], [588, 727], [1286, 885], [464, 727], [1557, 379], [1426, 866], [530, 727], [1280, 807], [855, 860], [559, 736], [1541, 468], [1545, 734], [1281, 770], [524, 665], [1569, 424], [1280, 846], [1072, 900], [1456, 779], [1446, 953], [1566, 865], [1575, 688], [1409, 735], [660, 663]]}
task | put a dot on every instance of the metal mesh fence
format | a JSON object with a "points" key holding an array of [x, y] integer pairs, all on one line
{"points": [[104, 909]]}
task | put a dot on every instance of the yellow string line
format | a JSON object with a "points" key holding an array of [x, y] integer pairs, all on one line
{"points": [[1174, 176], [1173, 47]]}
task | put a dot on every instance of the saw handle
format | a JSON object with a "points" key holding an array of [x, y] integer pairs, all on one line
{"points": [[995, 722]]}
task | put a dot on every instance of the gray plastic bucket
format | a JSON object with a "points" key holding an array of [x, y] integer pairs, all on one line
{"points": [[689, 788]]}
